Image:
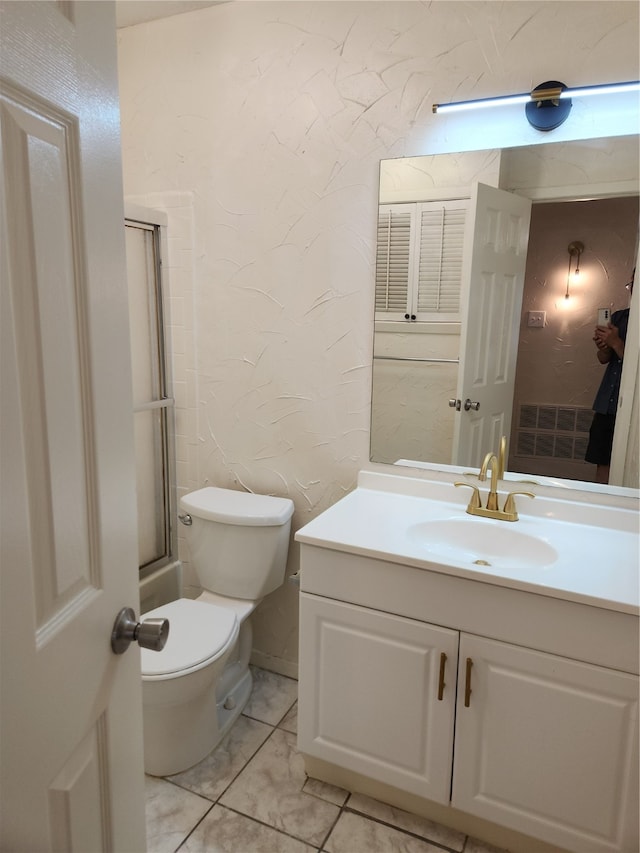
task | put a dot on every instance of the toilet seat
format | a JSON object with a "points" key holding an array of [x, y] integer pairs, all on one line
{"points": [[199, 633]]}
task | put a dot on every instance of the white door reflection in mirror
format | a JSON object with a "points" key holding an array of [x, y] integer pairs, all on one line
{"points": [[493, 278]]}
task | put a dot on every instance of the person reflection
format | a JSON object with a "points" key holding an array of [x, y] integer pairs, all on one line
{"points": [[609, 341]]}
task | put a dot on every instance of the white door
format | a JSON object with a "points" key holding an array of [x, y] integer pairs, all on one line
{"points": [[547, 746], [377, 695], [493, 279], [71, 768]]}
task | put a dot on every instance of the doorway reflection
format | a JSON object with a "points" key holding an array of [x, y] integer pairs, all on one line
{"points": [[557, 373]]}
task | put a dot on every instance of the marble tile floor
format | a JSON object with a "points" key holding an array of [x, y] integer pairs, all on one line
{"points": [[251, 795]]}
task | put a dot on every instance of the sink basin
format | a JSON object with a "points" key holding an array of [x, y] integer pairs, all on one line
{"points": [[560, 547], [482, 543]]}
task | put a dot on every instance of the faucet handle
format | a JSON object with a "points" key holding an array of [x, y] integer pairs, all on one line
{"points": [[474, 500], [509, 508]]}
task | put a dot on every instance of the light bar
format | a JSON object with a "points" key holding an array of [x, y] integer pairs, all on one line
{"points": [[552, 93], [503, 101]]}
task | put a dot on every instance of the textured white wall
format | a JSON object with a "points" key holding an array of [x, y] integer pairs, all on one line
{"points": [[274, 116]]}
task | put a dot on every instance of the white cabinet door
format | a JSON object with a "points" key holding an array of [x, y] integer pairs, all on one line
{"points": [[371, 698], [547, 746]]}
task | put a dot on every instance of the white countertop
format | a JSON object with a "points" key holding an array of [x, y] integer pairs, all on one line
{"points": [[597, 546]]}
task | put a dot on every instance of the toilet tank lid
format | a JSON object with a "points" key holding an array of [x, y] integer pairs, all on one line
{"points": [[232, 507]]}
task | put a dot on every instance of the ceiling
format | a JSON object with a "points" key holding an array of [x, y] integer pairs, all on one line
{"points": [[130, 12]]}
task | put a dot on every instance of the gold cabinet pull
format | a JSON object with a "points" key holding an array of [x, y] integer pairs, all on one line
{"points": [[441, 684], [467, 684]]}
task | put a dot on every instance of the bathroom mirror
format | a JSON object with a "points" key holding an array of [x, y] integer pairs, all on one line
{"points": [[583, 190]]}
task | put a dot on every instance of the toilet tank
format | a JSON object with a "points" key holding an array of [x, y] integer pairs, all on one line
{"points": [[238, 541]]}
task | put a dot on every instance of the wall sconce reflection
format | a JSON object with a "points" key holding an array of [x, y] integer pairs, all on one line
{"points": [[575, 249]]}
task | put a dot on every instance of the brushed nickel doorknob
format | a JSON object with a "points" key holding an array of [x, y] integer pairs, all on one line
{"points": [[149, 634]]}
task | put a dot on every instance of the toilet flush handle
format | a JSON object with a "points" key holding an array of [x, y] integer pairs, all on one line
{"points": [[150, 634], [186, 519]]}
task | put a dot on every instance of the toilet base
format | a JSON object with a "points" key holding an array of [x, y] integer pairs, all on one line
{"points": [[170, 746], [178, 736]]}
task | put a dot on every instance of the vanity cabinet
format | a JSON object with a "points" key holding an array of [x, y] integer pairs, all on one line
{"points": [[546, 745], [379, 694], [536, 742]]}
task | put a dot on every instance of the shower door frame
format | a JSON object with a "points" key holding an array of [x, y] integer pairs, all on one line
{"points": [[155, 222]]}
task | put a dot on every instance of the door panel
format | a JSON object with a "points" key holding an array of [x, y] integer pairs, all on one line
{"points": [[78, 807], [493, 281], [71, 736], [48, 301]]}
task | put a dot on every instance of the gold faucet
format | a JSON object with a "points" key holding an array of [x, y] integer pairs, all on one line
{"points": [[502, 459], [492, 497], [492, 508]]}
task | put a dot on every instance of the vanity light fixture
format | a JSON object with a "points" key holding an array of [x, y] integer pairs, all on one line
{"points": [[575, 249], [547, 106]]}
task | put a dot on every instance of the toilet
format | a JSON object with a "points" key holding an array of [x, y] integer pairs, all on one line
{"points": [[195, 688]]}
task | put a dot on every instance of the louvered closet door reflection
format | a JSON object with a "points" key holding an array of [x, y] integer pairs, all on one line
{"points": [[442, 227], [419, 260], [394, 258]]}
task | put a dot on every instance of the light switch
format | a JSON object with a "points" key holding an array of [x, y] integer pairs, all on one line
{"points": [[536, 318]]}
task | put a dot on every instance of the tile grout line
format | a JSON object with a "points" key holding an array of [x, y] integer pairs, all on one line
{"points": [[195, 826], [223, 792], [409, 832], [345, 808], [335, 823], [269, 826], [216, 802]]}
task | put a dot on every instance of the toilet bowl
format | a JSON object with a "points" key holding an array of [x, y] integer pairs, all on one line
{"points": [[178, 689], [195, 688]]}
